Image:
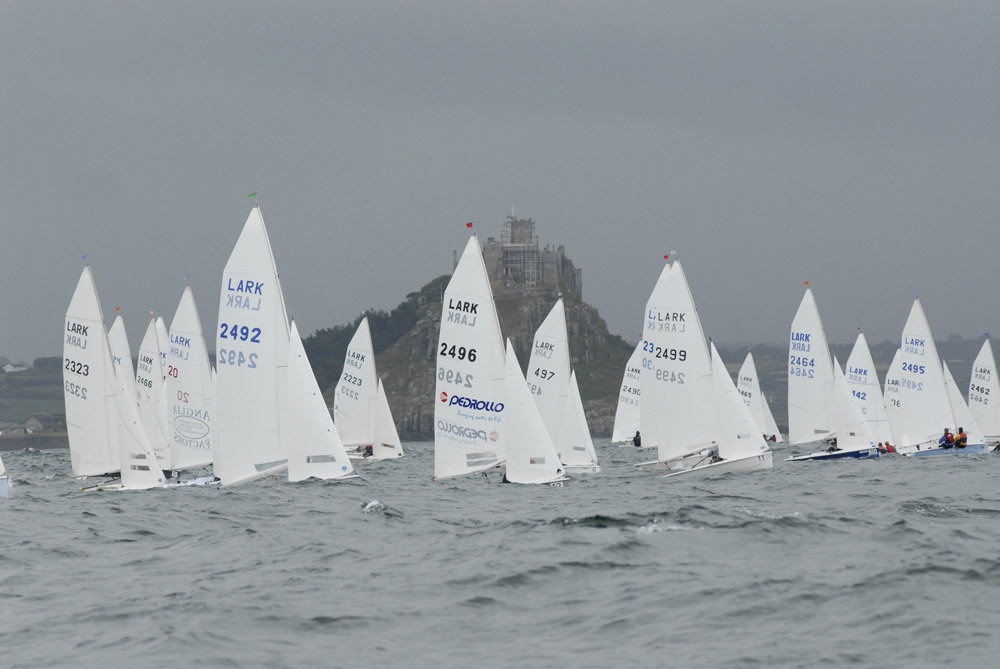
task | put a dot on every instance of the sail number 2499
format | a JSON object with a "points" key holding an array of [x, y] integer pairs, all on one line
{"points": [[458, 352], [663, 352]]}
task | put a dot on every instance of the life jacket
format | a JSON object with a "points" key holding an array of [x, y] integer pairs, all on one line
{"points": [[962, 439]]}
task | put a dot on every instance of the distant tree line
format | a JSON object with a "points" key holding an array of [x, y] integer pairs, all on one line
{"points": [[327, 346]]}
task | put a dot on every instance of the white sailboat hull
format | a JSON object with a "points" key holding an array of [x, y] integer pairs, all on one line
{"points": [[845, 454], [971, 449], [582, 469], [750, 463], [685, 461]]}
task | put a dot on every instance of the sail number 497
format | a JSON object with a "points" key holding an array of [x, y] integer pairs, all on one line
{"points": [[458, 352]]}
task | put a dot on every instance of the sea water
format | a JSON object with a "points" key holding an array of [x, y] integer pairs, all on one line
{"points": [[890, 562]]}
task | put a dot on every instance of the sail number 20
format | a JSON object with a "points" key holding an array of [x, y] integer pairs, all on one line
{"points": [[458, 352]]}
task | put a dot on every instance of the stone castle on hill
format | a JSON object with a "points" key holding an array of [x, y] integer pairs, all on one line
{"points": [[517, 265]]}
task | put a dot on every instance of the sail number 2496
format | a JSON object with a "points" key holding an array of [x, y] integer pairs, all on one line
{"points": [[458, 352]]}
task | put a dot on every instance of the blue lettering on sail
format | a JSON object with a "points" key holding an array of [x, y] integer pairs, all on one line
{"points": [[246, 286]]}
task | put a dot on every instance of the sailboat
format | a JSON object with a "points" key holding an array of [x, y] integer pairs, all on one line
{"points": [[190, 394], [984, 393], [741, 445], [854, 436], [314, 447], [551, 381], [810, 377], [140, 469], [4, 480], [121, 352], [749, 389], [89, 384], [471, 372], [975, 441], [918, 406], [862, 379], [387, 442], [627, 413], [676, 377], [151, 394], [548, 369], [576, 446], [251, 347], [106, 436], [531, 455], [358, 411]]}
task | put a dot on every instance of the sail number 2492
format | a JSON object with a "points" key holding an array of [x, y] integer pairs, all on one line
{"points": [[235, 358]]}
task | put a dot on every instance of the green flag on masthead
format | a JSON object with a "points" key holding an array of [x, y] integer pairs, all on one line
{"points": [[253, 196]]}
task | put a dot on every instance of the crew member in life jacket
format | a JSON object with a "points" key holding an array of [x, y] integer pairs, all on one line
{"points": [[947, 440], [962, 439], [637, 440], [833, 446]]}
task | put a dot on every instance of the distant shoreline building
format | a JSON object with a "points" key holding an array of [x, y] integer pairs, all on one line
{"points": [[517, 265]]}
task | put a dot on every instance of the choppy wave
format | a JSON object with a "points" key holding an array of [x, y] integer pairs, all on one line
{"points": [[881, 563]]}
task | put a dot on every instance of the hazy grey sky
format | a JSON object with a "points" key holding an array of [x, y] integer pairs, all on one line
{"points": [[852, 144]]}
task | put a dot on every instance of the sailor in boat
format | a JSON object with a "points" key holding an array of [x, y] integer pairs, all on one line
{"points": [[833, 446], [369, 450], [962, 439], [637, 440], [947, 440]]}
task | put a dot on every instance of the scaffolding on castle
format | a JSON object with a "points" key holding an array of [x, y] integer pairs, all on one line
{"points": [[521, 258]]}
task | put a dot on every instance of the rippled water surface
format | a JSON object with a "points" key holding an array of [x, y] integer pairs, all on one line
{"points": [[892, 562]]}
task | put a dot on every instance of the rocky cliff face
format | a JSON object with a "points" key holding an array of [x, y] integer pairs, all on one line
{"points": [[408, 365]]}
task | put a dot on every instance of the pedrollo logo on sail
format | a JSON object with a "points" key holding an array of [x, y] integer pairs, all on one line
{"points": [[470, 403]]}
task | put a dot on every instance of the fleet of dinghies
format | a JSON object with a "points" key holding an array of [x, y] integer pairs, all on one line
{"points": [[260, 411]]}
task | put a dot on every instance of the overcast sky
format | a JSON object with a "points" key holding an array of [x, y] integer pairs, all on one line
{"points": [[852, 144]]}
